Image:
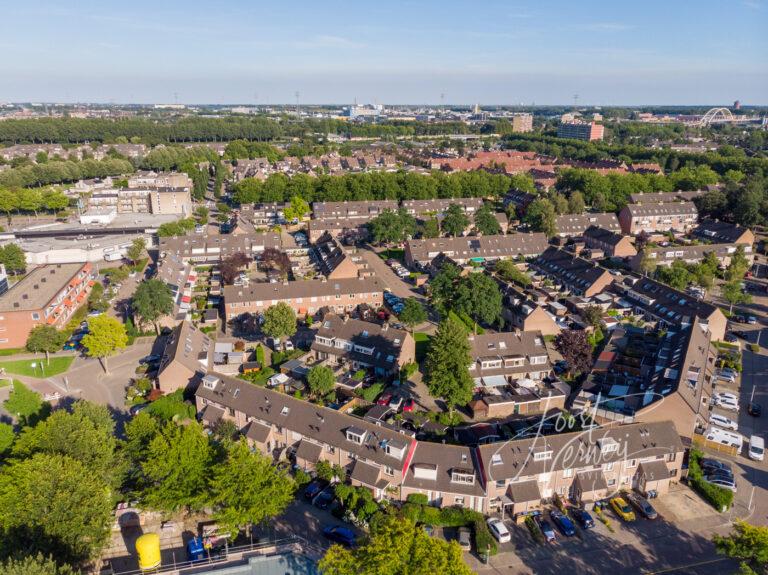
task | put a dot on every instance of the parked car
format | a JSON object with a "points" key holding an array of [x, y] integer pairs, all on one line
{"points": [[563, 523], [709, 463], [465, 538], [150, 358], [731, 338], [727, 395], [384, 399], [395, 402], [583, 518], [71, 345], [751, 320], [726, 403], [754, 409], [323, 500], [546, 529], [314, 488], [622, 509], [340, 534], [641, 504], [408, 405], [723, 421], [729, 377], [136, 409], [721, 481], [288, 345], [499, 530]]}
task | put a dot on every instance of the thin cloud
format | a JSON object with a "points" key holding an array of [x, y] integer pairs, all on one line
{"points": [[609, 26], [753, 4]]}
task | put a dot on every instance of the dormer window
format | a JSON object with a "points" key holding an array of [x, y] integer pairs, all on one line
{"points": [[425, 471], [542, 455], [356, 435], [209, 382], [395, 449], [463, 476], [607, 445], [496, 459], [285, 411]]}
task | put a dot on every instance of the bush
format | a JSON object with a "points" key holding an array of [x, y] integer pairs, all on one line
{"points": [[258, 377], [172, 406], [417, 498], [359, 375], [408, 370], [260, 354], [484, 541], [372, 392], [301, 478], [753, 347], [718, 497], [533, 527]]}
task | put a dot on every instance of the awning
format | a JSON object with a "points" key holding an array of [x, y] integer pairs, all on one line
{"points": [[308, 451], [186, 299], [51, 320], [524, 491], [67, 302], [80, 296]]}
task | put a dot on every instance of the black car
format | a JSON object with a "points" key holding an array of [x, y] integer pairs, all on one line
{"points": [[754, 409], [731, 337], [323, 500], [313, 489], [582, 517]]}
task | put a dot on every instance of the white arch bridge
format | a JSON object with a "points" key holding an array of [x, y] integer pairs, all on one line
{"points": [[724, 116]]}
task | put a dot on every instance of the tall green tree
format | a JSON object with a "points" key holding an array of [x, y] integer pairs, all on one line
{"points": [[248, 489], [45, 338], [297, 209], [26, 405], [396, 546], [151, 301], [13, 258], [106, 336], [7, 437], [413, 313], [576, 203], [455, 220], [443, 286], [479, 296], [447, 365], [55, 505], [279, 321], [541, 216], [136, 250], [34, 565], [749, 544], [486, 222], [178, 467], [734, 294], [320, 380]]}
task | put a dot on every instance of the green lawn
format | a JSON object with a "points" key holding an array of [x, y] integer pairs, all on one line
{"points": [[422, 345], [393, 253], [24, 366]]}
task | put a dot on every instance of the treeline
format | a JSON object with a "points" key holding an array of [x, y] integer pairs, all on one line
{"points": [[721, 161], [63, 171], [376, 186], [198, 129]]}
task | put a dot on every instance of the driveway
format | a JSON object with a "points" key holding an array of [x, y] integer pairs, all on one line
{"points": [[384, 272]]}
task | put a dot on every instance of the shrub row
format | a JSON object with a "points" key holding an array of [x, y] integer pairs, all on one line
{"points": [[719, 497]]}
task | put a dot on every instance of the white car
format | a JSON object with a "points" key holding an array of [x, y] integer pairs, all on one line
{"points": [[726, 377], [727, 395], [499, 530], [724, 422], [727, 403]]}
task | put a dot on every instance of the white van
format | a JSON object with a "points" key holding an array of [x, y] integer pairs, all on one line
{"points": [[725, 437], [756, 448]]}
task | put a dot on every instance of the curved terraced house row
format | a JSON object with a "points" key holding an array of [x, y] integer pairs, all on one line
{"points": [[517, 475]]}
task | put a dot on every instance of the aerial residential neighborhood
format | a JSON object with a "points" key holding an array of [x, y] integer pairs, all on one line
{"points": [[365, 301]]}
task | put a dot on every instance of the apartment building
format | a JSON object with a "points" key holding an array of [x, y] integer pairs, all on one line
{"points": [[611, 243], [173, 201], [667, 306], [569, 225], [344, 342], [305, 297], [516, 474], [437, 207], [151, 179], [522, 123], [582, 466], [351, 210], [587, 131], [474, 248], [211, 249], [678, 217], [690, 254], [47, 295], [571, 273], [186, 358], [723, 233]]}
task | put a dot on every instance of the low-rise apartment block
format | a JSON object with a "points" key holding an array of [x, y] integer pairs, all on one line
{"points": [[587, 131], [475, 248], [611, 243], [180, 277], [305, 297], [690, 254], [576, 224], [678, 217], [47, 295], [344, 342], [664, 197], [571, 273], [173, 201]]}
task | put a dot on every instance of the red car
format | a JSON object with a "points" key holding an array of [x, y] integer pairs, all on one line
{"points": [[383, 315], [408, 405], [384, 399]]}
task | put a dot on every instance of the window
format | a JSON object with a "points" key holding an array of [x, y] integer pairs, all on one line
{"points": [[568, 472], [459, 501], [608, 466], [501, 483], [389, 471], [671, 457], [285, 411], [462, 477], [35, 316], [631, 463], [542, 455], [496, 459], [611, 482]]}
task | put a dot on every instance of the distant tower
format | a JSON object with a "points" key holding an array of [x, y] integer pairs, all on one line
{"points": [[575, 101], [737, 105], [476, 110], [297, 94]]}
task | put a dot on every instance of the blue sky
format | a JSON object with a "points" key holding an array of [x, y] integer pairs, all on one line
{"points": [[238, 51]]}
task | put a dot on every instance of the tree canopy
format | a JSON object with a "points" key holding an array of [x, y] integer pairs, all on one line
{"points": [[575, 349], [455, 220], [447, 364], [152, 300], [413, 312], [486, 222], [45, 338], [279, 321], [105, 337], [749, 544]]}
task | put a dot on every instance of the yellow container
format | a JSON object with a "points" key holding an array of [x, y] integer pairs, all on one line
{"points": [[148, 548]]}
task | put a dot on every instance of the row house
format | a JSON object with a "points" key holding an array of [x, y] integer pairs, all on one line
{"points": [[613, 244], [516, 476], [351, 209], [666, 306], [47, 295], [186, 358], [463, 250], [353, 229], [344, 342], [571, 273], [504, 357], [335, 261], [677, 217], [718, 232], [437, 207], [666, 197], [211, 249], [180, 277], [569, 225], [690, 254], [304, 297]]}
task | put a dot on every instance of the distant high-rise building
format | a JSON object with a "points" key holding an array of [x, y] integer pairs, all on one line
{"points": [[581, 131], [522, 123], [737, 105]]}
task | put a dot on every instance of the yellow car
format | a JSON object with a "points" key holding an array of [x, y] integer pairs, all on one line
{"points": [[622, 509]]}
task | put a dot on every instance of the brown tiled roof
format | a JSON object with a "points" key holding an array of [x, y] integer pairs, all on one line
{"points": [[524, 491], [301, 289], [309, 451], [576, 224], [499, 246], [446, 458]]}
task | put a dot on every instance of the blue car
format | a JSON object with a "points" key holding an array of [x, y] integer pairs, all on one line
{"points": [[313, 489], [562, 522], [583, 518], [340, 534]]}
